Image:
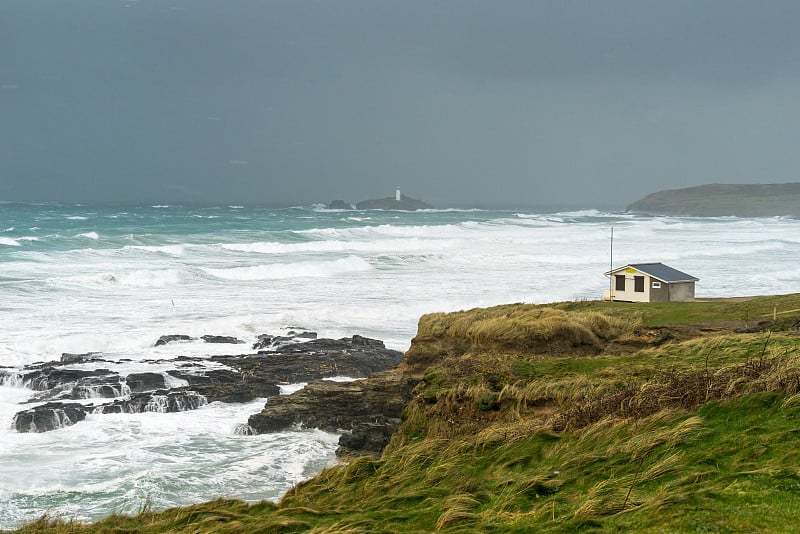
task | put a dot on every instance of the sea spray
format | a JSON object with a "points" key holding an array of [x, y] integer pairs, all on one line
{"points": [[114, 279]]}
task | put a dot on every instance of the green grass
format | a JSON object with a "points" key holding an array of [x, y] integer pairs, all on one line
{"points": [[666, 313], [516, 427]]}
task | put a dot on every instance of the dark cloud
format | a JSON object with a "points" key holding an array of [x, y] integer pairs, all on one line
{"points": [[462, 102]]}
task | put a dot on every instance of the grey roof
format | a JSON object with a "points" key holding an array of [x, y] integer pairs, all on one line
{"points": [[660, 271]]}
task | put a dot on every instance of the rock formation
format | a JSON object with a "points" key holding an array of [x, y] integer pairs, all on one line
{"points": [[194, 382], [340, 205], [390, 203]]}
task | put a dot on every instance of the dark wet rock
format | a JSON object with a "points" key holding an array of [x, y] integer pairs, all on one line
{"points": [[268, 341], [161, 401], [226, 385], [207, 376], [355, 407], [360, 341], [263, 341], [163, 340], [68, 357], [108, 386], [340, 205], [221, 339], [391, 203], [51, 376], [369, 437], [138, 382], [10, 378], [50, 416], [302, 335], [315, 359], [238, 378], [244, 430]]}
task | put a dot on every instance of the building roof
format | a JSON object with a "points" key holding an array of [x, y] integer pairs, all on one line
{"points": [[659, 271]]}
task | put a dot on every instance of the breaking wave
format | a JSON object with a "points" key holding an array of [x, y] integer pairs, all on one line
{"points": [[302, 269]]}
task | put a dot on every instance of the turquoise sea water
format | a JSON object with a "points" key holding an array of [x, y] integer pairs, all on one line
{"points": [[112, 279]]}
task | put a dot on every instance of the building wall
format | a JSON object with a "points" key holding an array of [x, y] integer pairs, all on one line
{"points": [[629, 295], [668, 292], [681, 292], [659, 294]]}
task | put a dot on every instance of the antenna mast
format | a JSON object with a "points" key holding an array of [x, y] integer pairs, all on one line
{"points": [[611, 262]]}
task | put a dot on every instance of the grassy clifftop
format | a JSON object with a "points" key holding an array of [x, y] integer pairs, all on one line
{"points": [[743, 200], [566, 417]]}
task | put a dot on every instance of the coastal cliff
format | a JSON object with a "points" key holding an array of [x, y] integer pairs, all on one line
{"points": [[560, 418], [718, 200]]}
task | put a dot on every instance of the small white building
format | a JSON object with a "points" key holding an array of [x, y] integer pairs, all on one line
{"points": [[650, 282]]}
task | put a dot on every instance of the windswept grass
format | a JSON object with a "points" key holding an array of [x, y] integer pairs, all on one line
{"points": [[525, 421], [744, 313], [523, 328]]}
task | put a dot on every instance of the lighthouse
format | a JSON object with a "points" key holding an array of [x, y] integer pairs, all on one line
{"points": [[397, 195]]}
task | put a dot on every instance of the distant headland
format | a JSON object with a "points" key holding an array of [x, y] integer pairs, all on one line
{"points": [[719, 200], [398, 202]]}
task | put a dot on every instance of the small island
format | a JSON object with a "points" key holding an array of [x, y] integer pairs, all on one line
{"points": [[398, 202], [719, 200]]}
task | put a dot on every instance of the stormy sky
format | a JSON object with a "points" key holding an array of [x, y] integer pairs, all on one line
{"points": [[582, 103]]}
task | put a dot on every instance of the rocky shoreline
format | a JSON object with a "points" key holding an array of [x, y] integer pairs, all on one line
{"points": [[364, 404]]}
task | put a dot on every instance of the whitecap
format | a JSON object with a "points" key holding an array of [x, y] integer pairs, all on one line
{"points": [[134, 278], [172, 250], [390, 245], [9, 229], [582, 213], [7, 241], [77, 218], [302, 269], [150, 278], [89, 235]]}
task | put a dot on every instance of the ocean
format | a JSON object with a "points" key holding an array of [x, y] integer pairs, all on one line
{"points": [[112, 279]]}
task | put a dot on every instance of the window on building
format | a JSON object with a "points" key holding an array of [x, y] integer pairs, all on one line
{"points": [[620, 282], [656, 285], [638, 284]]}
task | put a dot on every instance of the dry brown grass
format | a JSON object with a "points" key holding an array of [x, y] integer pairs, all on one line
{"points": [[526, 328], [687, 390]]}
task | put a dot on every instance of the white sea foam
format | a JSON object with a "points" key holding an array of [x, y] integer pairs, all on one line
{"points": [[377, 245], [136, 278], [172, 250], [77, 218], [301, 269], [288, 389], [7, 241], [341, 379], [90, 235], [339, 278], [187, 455]]}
